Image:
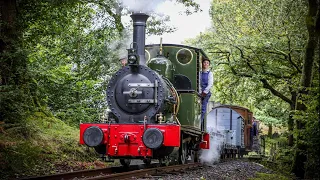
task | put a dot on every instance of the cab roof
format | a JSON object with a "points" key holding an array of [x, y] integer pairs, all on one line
{"points": [[180, 45]]}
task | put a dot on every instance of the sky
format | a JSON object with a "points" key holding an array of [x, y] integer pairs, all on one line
{"points": [[187, 26]]}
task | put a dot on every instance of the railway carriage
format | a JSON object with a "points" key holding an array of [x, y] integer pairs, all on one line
{"points": [[235, 124]]}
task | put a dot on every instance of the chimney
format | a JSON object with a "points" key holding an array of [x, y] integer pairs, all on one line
{"points": [[139, 35]]}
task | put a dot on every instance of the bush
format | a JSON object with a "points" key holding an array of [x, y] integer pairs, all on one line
{"points": [[44, 145]]}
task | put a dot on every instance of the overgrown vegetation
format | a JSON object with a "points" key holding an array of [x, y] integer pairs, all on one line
{"points": [[45, 145], [279, 155], [311, 132], [265, 176]]}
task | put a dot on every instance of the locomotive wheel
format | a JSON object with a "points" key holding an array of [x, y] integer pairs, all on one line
{"points": [[183, 153], [164, 161], [238, 152], [161, 161], [192, 156], [196, 156], [125, 162], [147, 161], [101, 149]]}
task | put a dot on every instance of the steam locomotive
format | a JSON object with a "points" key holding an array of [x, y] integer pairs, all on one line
{"points": [[155, 107]]}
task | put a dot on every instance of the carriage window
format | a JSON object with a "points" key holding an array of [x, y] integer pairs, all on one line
{"points": [[184, 56]]}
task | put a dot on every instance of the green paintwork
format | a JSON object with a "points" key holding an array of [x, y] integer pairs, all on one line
{"points": [[189, 111], [163, 66], [170, 52], [190, 104]]}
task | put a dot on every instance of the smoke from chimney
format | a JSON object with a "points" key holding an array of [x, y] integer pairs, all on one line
{"points": [[141, 6]]}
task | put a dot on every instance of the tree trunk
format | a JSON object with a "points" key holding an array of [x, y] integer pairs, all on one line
{"points": [[290, 128], [8, 16], [13, 65], [270, 130], [291, 120], [312, 20]]}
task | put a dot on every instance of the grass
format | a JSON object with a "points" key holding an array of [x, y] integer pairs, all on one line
{"points": [[43, 146], [265, 176]]}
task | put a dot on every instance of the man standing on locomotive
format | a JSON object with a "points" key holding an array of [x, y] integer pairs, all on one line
{"points": [[123, 60], [206, 82]]}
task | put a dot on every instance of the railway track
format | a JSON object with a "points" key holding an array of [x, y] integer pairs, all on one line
{"points": [[92, 172], [119, 172], [150, 172]]}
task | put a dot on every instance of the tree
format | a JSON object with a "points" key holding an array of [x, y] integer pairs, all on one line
{"points": [[14, 100], [60, 57], [313, 26], [267, 47], [258, 40]]}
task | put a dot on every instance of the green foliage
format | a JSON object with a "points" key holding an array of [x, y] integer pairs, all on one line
{"points": [[15, 100], [257, 53], [40, 146], [14, 104], [250, 48], [311, 133], [265, 176], [265, 42], [191, 6], [279, 155], [272, 112], [225, 94], [157, 25], [71, 62], [19, 158]]}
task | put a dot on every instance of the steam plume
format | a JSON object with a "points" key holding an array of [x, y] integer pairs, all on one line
{"points": [[212, 155], [143, 6]]}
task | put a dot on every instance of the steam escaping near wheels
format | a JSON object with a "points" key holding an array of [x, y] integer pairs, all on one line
{"points": [[212, 155]]}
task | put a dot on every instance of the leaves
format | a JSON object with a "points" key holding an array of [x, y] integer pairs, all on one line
{"points": [[272, 46], [256, 49]]}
